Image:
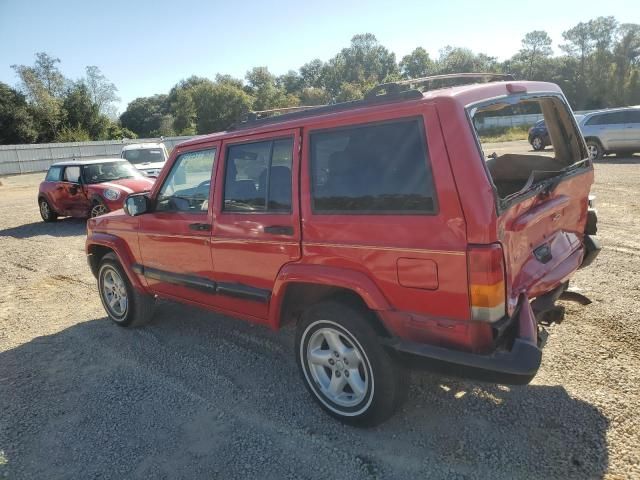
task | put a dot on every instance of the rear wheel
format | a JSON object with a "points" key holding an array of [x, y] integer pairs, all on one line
{"points": [[344, 367], [46, 212], [124, 305], [595, 149], [537, 143]]}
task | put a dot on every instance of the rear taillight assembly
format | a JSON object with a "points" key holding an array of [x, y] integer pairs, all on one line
{"points": [[487, 292]]}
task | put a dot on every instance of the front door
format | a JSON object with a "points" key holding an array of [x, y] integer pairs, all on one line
{"points": [[257, 227], [72, 197], [174, 238]]}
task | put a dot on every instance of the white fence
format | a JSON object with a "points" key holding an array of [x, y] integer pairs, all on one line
{"points": [[487, 123], [37, 157]]}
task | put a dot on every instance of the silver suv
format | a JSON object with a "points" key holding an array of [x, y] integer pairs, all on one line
{"points": [[612, 131]]}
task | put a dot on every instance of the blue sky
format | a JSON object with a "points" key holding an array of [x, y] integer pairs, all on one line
{"points": [[145, 47]]}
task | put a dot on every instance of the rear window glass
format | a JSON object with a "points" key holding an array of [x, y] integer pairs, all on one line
{"points": [[376, 169], [516, 160], [54, 174]]}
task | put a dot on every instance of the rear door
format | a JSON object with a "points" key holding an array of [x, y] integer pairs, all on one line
{"points": [[257, 219], [382, 202], [612, 130]]}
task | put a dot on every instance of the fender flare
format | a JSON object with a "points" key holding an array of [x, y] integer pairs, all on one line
{"points": [[122, 251], [358, 282]]}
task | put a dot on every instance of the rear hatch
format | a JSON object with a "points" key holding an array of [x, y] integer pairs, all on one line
{"points": [[541, 196]]}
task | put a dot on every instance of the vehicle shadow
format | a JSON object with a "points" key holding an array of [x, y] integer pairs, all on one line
{"points": [[193, 388], [64, 227]]}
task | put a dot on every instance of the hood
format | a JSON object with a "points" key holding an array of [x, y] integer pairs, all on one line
{"points": [[126, 185]]}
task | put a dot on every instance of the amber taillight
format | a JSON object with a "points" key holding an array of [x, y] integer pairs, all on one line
{"points": [[486, 282]]}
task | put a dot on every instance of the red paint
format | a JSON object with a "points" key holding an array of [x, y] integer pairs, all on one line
{"points": [[410, 269]]}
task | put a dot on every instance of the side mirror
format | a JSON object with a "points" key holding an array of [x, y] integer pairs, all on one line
{"points": [[73, 189], [136, 204]]}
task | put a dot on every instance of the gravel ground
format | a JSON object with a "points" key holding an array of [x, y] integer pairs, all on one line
{"points": [[196, 395]]}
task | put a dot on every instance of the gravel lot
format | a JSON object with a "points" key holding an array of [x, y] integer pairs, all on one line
{"points": [[195, 395]]}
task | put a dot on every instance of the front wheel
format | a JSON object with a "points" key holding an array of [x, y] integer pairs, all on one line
{"points": [[98, 208], [537, 143], [344, 367], [124, 305]]}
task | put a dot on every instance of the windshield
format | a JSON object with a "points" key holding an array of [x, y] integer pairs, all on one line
{"points": [[107, 172], [145, 155]]}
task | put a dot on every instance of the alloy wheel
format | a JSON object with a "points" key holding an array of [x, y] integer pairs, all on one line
{"points": [[114, 292], [337, 368], [98, 209]]}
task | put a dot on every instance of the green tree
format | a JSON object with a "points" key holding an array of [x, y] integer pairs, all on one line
{"points": [[16, 121], [147, 116], [459, 60], [43, 85], [311, 74], [536, 49], [417, 64], [184, 113], [81, 113], [261, 84], [219, 105]]}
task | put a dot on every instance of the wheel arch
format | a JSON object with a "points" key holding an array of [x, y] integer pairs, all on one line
{"points": [[100, 244], [299, 286]]}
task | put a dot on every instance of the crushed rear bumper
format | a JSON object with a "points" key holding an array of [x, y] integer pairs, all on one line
{"points": [[515, 363]]}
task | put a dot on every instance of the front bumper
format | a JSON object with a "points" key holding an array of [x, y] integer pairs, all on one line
{"points": [[516, 362]]}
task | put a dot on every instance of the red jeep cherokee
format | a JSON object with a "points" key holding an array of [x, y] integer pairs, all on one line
{"points": [[386, 229], [88, 188]]}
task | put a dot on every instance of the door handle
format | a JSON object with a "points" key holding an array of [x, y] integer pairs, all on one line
{"points": [[279, 230], [200, 227]]}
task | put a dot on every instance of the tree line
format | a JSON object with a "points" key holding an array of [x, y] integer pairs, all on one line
{"points": [[598, 66]]}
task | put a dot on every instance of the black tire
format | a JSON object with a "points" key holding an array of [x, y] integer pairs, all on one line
{"points": [[594, 147], [139, 307], [98, 208], [537, 143], [46, 212], [377, 374]]}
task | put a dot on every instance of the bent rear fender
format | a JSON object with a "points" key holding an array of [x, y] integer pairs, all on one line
{"points": [[121, 250], [353, 280]]}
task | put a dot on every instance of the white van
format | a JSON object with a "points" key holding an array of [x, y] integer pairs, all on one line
{"points": [[149, 158]]}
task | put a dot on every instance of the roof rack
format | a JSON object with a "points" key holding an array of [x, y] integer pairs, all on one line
{"points": [[385, 92], [394, 87]]}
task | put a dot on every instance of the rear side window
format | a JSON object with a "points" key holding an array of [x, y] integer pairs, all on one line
{"points": [[54, 174], [608, 119], [632, 116], [258, 177], [372, 169], [72, 174]]}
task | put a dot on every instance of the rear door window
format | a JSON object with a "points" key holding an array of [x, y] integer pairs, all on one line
{"points": [[632, 116], [258, 176], [72, 174], [372, 169]]}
